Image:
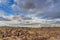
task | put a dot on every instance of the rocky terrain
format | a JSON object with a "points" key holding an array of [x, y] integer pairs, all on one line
{"points": [[19, 33]]}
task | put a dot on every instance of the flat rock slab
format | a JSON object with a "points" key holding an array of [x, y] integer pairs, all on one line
{"points": [[18, 33]]}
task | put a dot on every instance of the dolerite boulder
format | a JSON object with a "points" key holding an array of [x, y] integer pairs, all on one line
{"points": [[12, 33]]}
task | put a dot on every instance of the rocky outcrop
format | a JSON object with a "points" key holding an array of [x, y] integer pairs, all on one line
{"points": [[10, 33]]}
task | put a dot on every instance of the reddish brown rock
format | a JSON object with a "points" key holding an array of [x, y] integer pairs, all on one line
{"points": [[11, 33]]}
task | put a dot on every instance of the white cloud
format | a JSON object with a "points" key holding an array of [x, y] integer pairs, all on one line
{"points": [[5, 2], [49, 7], [13, 6], [16, 0], [29, 10], [35, 21], [2, 13], [2, 1]]}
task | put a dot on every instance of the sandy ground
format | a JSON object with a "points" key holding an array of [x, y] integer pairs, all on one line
{"points": [[18, 33]]}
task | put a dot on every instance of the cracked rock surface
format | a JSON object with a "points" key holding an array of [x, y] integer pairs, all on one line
{"points": [[18, 33]]}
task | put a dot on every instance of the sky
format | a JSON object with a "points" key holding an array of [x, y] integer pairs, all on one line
{"points": [[30, 11]]}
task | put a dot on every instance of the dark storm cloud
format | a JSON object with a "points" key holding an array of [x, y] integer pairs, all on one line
{"points": [[54, 15], [21, 17], [24, 17], [4, 19], [49, 15], [49, 8], [29, 5]]}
